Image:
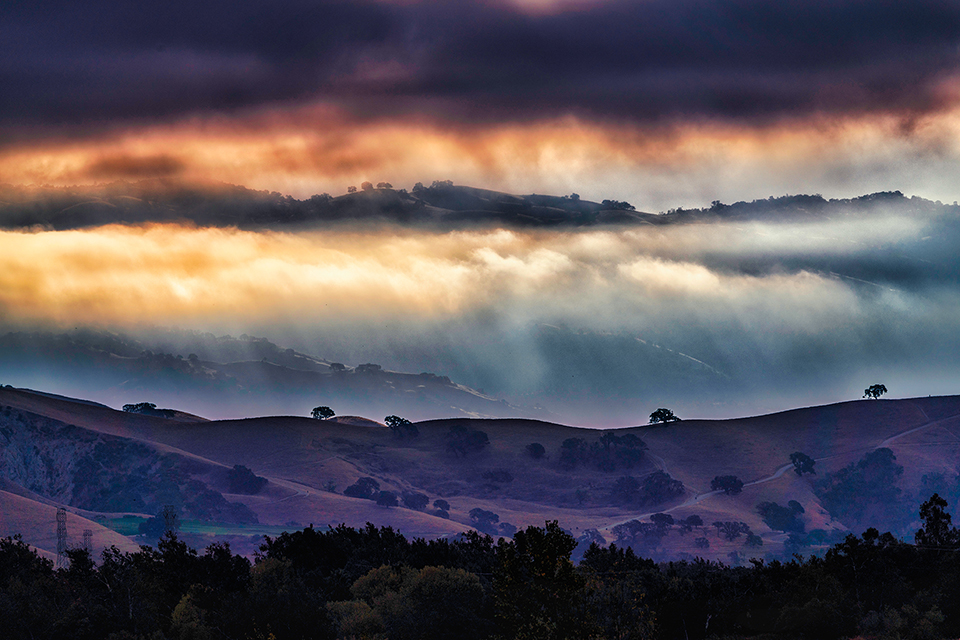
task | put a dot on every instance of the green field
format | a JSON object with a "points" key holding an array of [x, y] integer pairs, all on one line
{"points": [[129, 526]]}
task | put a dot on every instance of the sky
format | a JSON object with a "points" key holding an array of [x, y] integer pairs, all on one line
{"points": [[662, 103], [659, 103]]}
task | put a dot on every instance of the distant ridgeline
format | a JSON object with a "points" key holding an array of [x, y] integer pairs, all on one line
{"points": [[442, 204], [204, 371], [374, 583]]}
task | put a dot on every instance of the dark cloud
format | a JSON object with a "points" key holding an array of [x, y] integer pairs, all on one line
{"points": [[85, 63]]}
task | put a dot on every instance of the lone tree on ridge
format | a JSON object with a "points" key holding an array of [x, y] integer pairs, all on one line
{"points": [[322, 413], [401, 427], [663, 415], [874, 391]]}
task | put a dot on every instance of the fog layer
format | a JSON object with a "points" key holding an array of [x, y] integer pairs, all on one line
{"points": [[716, 318]]}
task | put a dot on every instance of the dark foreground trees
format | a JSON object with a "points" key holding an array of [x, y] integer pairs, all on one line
{"points": [[373, 582]]}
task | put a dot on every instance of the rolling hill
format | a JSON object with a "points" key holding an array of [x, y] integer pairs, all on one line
{"points": [[104, 464], [229, 376]]}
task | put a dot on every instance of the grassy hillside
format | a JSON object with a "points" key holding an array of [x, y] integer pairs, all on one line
{"points": [[597, 484]]}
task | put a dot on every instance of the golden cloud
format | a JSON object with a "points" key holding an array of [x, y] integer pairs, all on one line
{"points": [[308, 150], [171, 274]]}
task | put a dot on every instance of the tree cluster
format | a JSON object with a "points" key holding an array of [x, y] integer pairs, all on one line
{"points": [[609, 452], [401, 427], [865, 490], [462, 441], [780, 518], [656, 488], [243, 480], [374, 583], [148, 409], [730, 485]]}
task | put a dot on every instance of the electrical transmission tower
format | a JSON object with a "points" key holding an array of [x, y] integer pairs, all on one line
{"points": [[88, 540], [171, 520], [61, 537]]}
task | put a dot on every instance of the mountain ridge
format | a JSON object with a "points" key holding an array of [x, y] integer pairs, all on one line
{"points": [[442, 205]]}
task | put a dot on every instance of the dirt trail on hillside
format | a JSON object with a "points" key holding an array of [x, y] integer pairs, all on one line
{"points": [[700, 497]]}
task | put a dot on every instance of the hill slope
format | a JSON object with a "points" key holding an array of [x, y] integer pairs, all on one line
{"points": [[582, 480]]}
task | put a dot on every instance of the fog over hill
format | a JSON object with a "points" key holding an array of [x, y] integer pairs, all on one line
{"points": [[441, 205], [593, 311]]}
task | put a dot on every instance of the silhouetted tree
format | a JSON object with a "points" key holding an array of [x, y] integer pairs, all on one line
{"points": [[535, 450], [936, 531], [387, 499], [663, 415], [148, 409], [802, 463], [850, 492], [484, 520], [322, 413], [536, 588], [781, 518], [366, 488], [243, 480], [401, 427], [662, 520], [618, 205], [731, 530], [730, 485], [415, 500], [687, 524], [659, 487], [442, 508], [874, 391]]}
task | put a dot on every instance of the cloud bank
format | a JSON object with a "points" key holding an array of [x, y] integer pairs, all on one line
{"points": [[737, 317]]}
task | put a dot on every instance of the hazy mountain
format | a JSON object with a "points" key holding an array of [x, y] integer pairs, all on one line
{"points": [[443, 205], [226, 376]]}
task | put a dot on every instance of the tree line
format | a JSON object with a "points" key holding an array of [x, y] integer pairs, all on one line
{"points": [[375, 583]]}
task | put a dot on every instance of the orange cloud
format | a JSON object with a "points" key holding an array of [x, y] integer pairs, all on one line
{"points": [[303, 151], [171, 274]]}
